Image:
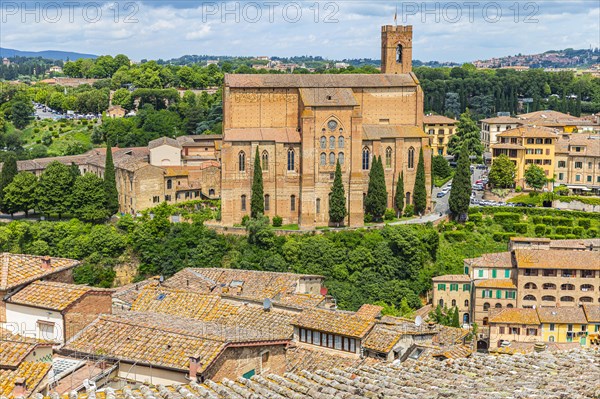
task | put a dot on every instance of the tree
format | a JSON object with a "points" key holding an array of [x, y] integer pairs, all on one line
{"points": [[337, 202], [535, 177], [89, 199], [9, 171], [420, 190], [75, 172], [455, 318], [399, 199], [376, 199], [110, 183], [502, 172], [452, 104], [467, 133], [54, 189], [19, 195], [440, 167], [257, 201], [460, 194], [21, 113]]}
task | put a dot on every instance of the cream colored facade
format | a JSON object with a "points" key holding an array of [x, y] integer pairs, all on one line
{"points": [[440, 130], [302, 125], [492, 127], [454, 291], [578, 163]]}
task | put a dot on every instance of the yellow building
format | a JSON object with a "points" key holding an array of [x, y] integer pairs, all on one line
{"points": [[454, 290], [439, 129], [564, 325], [592, 313], [527, 145], [514, 325]]}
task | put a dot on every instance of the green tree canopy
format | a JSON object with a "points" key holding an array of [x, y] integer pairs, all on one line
{"points": [[502, 173], [420, 189], [535, 177], [9, 171], [467, 132], [337, 202], [440, 167], [399, 199], [54, 189], [21, 113], [89, 200], [110, 183], [376, 199], [460, 194], [19, 195], [257, 200]]}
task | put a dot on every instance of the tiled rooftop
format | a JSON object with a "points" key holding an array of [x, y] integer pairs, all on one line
{"points": [[592, 313], [495, 283], [19, 269], [335, 322], [437, 120], [570, 315], [516, 316], [497, 259], [33, 372], [463, 278], [13, 353], [557, 259], [302, 357], [50, 295]]}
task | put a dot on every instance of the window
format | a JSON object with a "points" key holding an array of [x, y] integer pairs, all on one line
{"points": [[267, 202], [388, 157], [331, 158], [318, 205], [561, 176], [549, 298], [323, 142], [486, 306], [156, 199], [242, 161], [587, 287], [498, 294], [515, 330], [323, 159], [453, 287], [466, 303], [293, 203], [577, 177], [494, 273], [399, 54], [480, 273], [341, 158], [341, 142], [264, 358], [507, 273], [530, 286], [211, 192], [411, 158], [441, 287], [501, 330], [510, 305], [331, 142], [567, 299], [539, 141], [167, 198], [498, 306], [529, 298], [454, 303], [441, 302], [578, 165], [366, 158], [589, 179], [46, 330], [291, 159], [243, 202], [169, 184], [567, 287], [407, 199], [561, 164], [466, 287], [529, 141], [586, 299], [265, 161]]}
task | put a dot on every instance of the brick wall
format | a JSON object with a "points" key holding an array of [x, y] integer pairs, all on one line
{"points": [[85, 311], [235, 362]]}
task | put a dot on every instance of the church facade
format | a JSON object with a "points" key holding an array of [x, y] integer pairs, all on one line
{"points": [[302, 125]]}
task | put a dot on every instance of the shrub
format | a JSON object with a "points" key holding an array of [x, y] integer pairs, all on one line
{"points": [[548, 220], [563, 221], [84, 122], [476, 217], [563, 230], [578, 231], [536, 219], [277, 221], [585, 223], [455, 236], [556, 237], [51, 128], [499, 237], [409, 210], [469, 226], [518, 189], [368, 218], [245, 220], [548, 230], [507, 220], [521, 228], [389, 214], [592, 232], [539, 229], [36, 130], [55, 134], [570, 236]]}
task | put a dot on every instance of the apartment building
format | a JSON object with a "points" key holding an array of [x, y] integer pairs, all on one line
{"points": [[454, 291], [491, 127], [578, 163], [440, 130]]}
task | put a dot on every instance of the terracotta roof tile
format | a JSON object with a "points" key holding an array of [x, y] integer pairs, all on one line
{"points": [[557, 259], [501, 120], [18, 269], [516, 316], [319, 81], [592, 313], [453, 277], [529, 132], [566, 315], [302, 357], [336, 322], [495, 283], [51, 295], [498, 259], [13, 353], [438, 120], [33, 373]]}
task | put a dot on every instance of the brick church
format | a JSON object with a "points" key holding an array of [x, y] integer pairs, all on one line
{"points": [[303, 124]]}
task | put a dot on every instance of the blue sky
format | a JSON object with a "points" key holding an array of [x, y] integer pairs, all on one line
{"points": [[445, 31]]}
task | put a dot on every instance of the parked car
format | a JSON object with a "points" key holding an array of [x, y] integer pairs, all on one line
{"points": [[441, 194]]}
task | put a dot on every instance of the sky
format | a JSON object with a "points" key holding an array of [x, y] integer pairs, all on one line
{"points": [[458, 31]]}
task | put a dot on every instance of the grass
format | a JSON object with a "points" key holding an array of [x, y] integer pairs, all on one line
{"points": [[538, 199], [293, 226], [69, 137]]}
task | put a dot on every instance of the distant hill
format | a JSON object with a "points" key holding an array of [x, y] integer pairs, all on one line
{"points": [[48, 54]]}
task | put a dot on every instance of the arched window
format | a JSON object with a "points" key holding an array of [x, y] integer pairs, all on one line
{"points": [[510, 305], [211, 192], [551, 338], [341, 142], [388, 157], [466, 303], [293, 203], [265, 160], [587, 287], [567, 287], [399, 54], [529, 298], [243, 202], [169, 184], [323, 142], [341, 158], [485, 321], [407, 200], [498, 306], [586, 299], [567, 299], [411, 158], [486, 306], [291, 159], [549, 286], [441, 302], [318, 205], [331, 158], [549, 298], [453, 302], [267, 202], [530, 286], [242, 161], [323, 159], [366, 158], [441, 131], [331, 142]]}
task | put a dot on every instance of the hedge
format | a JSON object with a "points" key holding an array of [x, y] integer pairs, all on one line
{"points": [[521, 228], [537, 219], [499, 237], [455, 236], [585, 223], [476, 217], [593, 232], [563, 230], [491, 210], [578, 231], [539, 229], [556, 237], [563, 221], [549, 220]]}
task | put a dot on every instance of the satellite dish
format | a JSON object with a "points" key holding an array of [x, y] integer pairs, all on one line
{"points": [[418, 321], [267, 304]]}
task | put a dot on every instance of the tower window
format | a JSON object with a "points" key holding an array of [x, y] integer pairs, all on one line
{"points": [[399, 54]]}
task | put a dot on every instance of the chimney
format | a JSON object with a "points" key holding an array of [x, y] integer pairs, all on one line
{"points": [[46, 261], [20, 389], [194, 364]]}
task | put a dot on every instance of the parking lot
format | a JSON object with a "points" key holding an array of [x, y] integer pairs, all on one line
{"points": [[44, 112]]}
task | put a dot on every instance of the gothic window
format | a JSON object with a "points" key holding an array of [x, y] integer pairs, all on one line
{"points": [[388, 157], [323, 160], [169, 184], [331, 158], [399, 54], [411, 158], [366, 158], [243, 202], [242, 161], [341, 142], [323, 142], [265, 160], [318, 205], [267, 202], [293, 203], [290, 159], [331, 142], [407, 201], [341, 158]]}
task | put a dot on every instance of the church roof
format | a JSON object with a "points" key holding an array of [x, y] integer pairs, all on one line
{"points": [[327, 97], [377, 132], [320, 81]]}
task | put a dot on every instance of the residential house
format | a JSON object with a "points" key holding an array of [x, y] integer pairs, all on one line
{"points": [[492, 294], [514, 324], [563, 324], [491, 127], [440, 130], [116, 111], [454, 290], [578, 163]]}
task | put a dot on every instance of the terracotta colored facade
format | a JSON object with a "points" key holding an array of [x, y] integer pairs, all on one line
{"points": [[303, 125]]}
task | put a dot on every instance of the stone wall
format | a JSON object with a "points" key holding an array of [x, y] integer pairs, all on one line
{"points": [[235, 362], [85, 311], [576, 206]]}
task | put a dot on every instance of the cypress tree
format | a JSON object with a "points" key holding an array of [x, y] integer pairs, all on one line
{"points": [[420, 191], [399, 199], [337, 203], [75, 172], [455, 318], [257, 201], [460, 195], [376, 199], [110, 182], [9, 171]]}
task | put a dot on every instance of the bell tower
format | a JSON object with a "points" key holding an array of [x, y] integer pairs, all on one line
{"points": [[396, 49]]}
